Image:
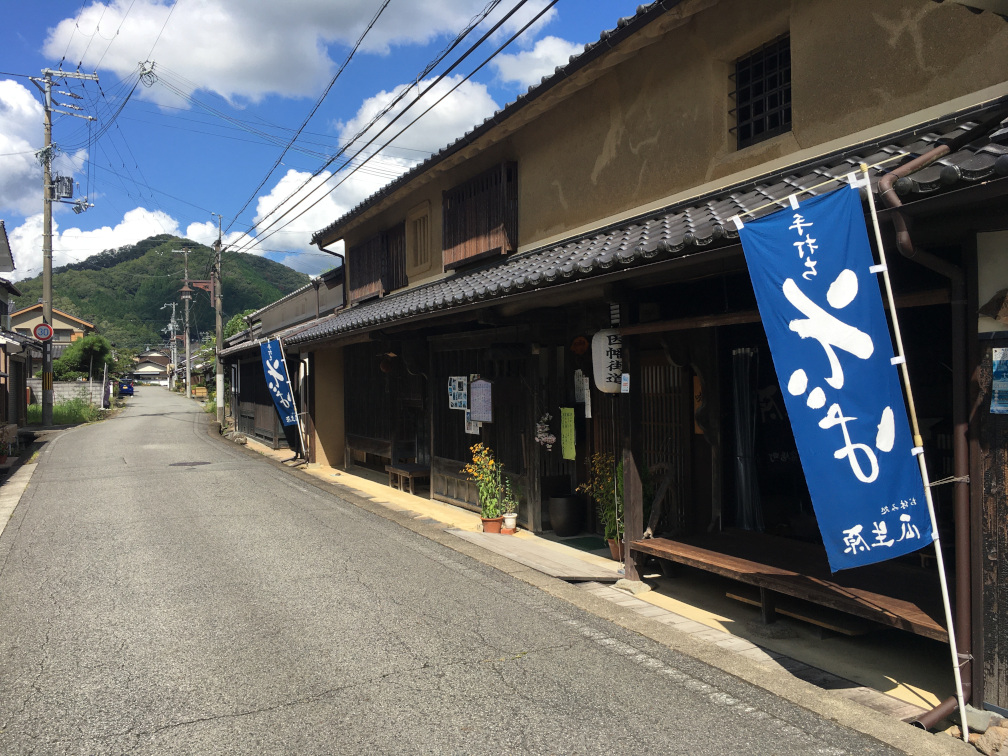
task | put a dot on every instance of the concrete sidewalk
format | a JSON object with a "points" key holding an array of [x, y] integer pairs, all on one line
{"points": [[705, 617]]}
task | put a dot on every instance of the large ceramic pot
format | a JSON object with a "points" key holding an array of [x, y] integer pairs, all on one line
{"points": [[566, 514]]}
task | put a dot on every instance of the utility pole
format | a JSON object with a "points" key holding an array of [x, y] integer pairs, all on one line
{"points": [[186, 298], [45, 156], [171, 331], [219, 307]]}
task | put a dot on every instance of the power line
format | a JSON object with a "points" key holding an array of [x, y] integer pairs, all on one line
{"points": [[318, 104], [151, 53], [496, 52], [116, 35], [394, 102], [70, 39]]}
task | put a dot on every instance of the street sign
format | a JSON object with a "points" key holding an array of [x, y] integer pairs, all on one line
{"points": [[43, 332]]}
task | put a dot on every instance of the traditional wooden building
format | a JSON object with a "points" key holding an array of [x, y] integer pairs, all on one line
{"points": [[599, 202], [251, 403]]}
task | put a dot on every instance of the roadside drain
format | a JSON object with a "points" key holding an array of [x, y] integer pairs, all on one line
{"points": [[187, 464]]}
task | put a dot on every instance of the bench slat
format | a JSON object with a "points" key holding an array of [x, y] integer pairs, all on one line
{"points": [[860, 602]]}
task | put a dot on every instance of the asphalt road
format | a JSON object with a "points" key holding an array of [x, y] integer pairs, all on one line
{"points": [[162, 591]]}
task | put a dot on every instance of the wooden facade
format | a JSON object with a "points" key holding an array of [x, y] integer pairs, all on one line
{"points": [[379, 265], [255, 414], [481, 217], [990, 469]]}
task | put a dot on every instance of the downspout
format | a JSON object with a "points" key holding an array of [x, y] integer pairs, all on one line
{"points": [[961, 508]]}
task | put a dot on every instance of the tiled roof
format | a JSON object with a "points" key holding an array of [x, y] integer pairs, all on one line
{"points": [[679, 230], [235, 346]]}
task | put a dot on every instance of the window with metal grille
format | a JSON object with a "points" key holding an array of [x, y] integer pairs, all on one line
{"points": [[762, 93]]}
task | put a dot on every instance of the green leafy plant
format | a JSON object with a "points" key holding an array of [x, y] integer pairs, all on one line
{"points": [[67, 412], [509, 505], [605, 486], [486, 473]]}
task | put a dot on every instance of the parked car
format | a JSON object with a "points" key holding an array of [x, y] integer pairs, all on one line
{"points": [[125, 388]]}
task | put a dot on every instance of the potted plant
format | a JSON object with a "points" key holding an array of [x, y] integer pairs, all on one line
{"points": [[605, 486], [486, 473], [510, 507]]}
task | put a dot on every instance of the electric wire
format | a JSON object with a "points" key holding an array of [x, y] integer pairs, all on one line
{"points": [[116, 35], [163, 26], [318, 104], [268, 232], [70, 38], [91, 38], [398, 115]]}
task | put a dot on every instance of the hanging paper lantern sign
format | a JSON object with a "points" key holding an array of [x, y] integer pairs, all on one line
{"points": [[607, 360]]}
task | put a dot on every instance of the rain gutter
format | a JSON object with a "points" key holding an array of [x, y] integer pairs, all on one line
{"points": [[888, 187]]}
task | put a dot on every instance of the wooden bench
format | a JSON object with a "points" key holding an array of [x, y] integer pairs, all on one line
{"points": [[358, 447], [824, 589], [401, 472], [199, 392]]}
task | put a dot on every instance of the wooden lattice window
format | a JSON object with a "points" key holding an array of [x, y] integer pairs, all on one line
{"points": [[377, 265], [418, 243], [481, 216], [763, 92]]}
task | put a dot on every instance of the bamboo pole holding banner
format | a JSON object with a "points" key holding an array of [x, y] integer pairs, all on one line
{"points": [[297, 415], [918, 444]]}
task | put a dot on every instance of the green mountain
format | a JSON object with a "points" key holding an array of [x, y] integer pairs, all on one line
{"points": [[123, 291]]}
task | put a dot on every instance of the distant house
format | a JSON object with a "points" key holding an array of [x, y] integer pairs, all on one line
{"points": [[151, 366], [148, 371], [154, 355], [66, 328]]}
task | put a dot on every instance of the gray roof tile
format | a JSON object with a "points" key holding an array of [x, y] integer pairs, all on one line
{"points": [[675, 231]]}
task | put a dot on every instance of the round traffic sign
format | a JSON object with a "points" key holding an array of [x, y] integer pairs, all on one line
{"points": [[43, 332]]}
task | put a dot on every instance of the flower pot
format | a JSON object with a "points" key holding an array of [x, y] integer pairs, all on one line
{"points": [[566, 514], [510, 521], [616, 549], [492, 524]]}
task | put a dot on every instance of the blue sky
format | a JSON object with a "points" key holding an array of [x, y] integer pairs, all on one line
{"points": [[232, 81]]}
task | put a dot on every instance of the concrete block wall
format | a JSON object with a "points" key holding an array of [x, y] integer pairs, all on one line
{"points": [[64, 390]]}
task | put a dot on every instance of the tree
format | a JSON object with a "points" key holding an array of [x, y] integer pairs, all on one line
{"points": [[82, 357], [236, 324]]}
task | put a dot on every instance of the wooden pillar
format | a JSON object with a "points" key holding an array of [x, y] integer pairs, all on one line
{"points": [[533, 456], [630, 412], [431, 396], [312, 445], [633, 513]]}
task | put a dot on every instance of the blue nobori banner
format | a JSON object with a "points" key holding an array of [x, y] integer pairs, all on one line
{"points": [[278, 381], [821, 308]]}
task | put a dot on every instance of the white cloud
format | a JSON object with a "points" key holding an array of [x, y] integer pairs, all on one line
{"points": [[73, 244], [528, 67], [294, 210], [464, 108], [21, 118], [207, 232], [243, 49]]}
